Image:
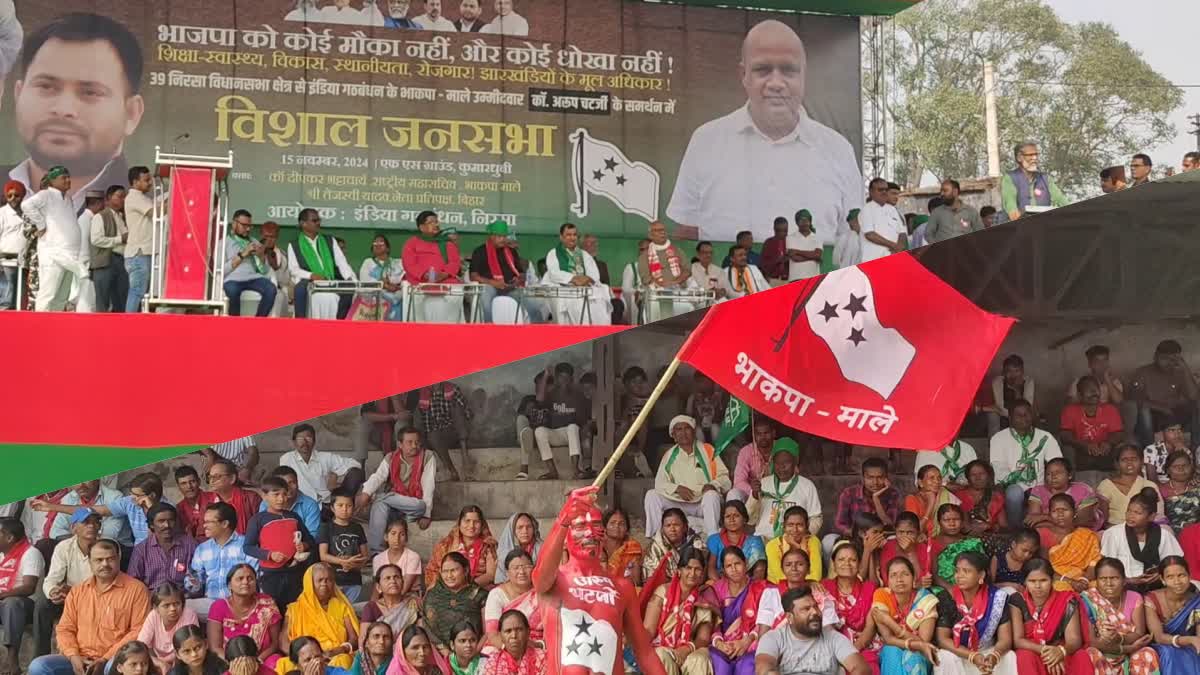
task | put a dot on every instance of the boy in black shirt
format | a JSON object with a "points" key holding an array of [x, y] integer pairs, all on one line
{"points": [[277, 537], [343, 544]]}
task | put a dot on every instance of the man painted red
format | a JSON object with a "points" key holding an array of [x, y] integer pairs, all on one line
{"points": [[585, 611]]}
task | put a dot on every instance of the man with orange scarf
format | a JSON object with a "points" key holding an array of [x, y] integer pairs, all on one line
{"points": [[498, 267], [587, 614], [404, 482]]}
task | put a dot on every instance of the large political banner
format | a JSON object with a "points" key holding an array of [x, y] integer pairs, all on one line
{"points": [[606, 113]]}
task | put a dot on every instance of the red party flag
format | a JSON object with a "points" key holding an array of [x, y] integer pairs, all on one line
{"points": [[882, 354]]}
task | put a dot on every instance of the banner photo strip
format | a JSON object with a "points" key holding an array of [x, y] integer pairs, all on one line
{"points": [[606, 113]]}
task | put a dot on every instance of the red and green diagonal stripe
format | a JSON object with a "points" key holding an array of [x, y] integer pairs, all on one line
{"points": [[96, 394]]}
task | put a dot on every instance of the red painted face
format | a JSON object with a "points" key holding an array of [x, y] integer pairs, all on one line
{"points": [[586, 535]]}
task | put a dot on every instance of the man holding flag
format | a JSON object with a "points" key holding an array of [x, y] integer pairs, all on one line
{"points": [[691, 478]]}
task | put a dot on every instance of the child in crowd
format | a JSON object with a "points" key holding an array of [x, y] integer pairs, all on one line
{"points": [[637, 394], [277, 537], [194, 655], [343, 544], [795, 536], [398, 554], [904, 545], [169, 615], [133, 658], [1008, 566], [241, 653], [868, 530]]}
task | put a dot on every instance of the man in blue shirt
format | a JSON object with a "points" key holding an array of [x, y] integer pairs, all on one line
{"points": [[145, 490], [215, 558], [299, 503]]}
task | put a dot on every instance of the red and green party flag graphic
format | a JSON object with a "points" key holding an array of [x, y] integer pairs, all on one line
{"points": [[88, 395]]}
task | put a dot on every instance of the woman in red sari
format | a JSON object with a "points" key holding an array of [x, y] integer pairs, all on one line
{"points": [[472, 538], [852, 598], [1047, 631]]}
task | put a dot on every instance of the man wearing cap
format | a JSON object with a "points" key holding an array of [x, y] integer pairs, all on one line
{"points": [[83, 291], [498, 268], [21, 566], [61, 257], [107, 234], [785, 488], [99, 616], [69, 567], [691, 478], [847, 251], [91, 494], [145, 491], [803, 249], [953, 218]]}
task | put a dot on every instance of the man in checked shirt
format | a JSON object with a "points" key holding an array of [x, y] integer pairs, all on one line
{"points": [[441, 413]]}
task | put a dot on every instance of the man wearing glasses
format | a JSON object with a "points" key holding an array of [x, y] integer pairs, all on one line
{"points": [[1141, 166], [1026, 188], [222, 479]]}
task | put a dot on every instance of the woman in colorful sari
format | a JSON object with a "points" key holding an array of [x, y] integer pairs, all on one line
{"points": [[453, 598], [942, 550], [906, 616], [516, 593], [322, 612], [983, 504], [392, 605], [1140, 544], [974, 626], [659, 564], [931, 495], [415, 655], [852, 598], [521, 531], [1181, 492], [1048, 633], [738, 597], [245, 612], [519, 656], [1171, 617], [376, 653], [678, 622], [733, 532], [472, 538], [381, 267], [623, 552], [1073, 551], [1117, 635], [1060, 478], [465, 658]]}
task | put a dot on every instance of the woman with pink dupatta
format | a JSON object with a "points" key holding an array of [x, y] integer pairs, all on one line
{"points": [[415, 655], [853, 597], [737, 596]]}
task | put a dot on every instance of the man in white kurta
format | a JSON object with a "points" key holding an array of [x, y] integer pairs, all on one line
{"points": [[1019, 455], [691, 478], [951, 460], [631, 284], [742, 278], [320, 305], [881, 225], [569, 265], [767, 158], [83, 291], [785, 488], [61, 255]]}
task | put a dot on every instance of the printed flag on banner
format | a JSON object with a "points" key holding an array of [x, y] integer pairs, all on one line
{"points": [[737, 420], [883, 354], [600, 168]]}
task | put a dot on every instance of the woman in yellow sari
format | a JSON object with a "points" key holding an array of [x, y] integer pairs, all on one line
{"points": [[323, 613], [1073, 551]]}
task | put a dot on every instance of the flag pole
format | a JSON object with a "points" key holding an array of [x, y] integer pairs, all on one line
{"points": [[638, 422]]}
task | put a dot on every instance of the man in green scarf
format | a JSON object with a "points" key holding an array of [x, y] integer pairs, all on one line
{"points": [[246, 267], [785, 488], [317, 257], [567, 264]]}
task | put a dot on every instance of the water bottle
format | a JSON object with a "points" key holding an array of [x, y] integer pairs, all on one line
{"points": [[431, 275], [531, 275]]}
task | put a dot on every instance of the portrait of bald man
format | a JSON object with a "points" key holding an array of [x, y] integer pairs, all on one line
{"points": [[768, 158]]}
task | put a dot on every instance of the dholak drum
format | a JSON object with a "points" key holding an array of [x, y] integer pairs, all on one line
{"points": [[506, 310]]}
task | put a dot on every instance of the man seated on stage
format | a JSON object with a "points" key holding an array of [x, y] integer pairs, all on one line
{"points": [[569, 265], [278, 263], [742, 278], [403, 482], [497, 266], [432, 257], [705, 273], [691, 478], [317, 257], [591, 244], [631, 285], [246, 268], [663, 266], [320, 472]]}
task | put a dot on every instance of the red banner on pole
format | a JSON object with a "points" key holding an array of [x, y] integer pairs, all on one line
{"points": [[883, 354]]}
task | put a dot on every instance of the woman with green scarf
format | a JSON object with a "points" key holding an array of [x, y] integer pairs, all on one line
{"points": [[465, 658], [376, 653]]}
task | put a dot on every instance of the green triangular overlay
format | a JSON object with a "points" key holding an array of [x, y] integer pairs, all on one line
{"points": [[737, 420], [36, 469]]}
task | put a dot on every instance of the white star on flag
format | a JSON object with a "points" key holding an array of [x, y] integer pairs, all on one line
{"points": [[600, 168], [841, 312], [587, 642]]}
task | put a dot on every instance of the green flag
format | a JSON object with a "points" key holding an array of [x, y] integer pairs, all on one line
{"points": [[737, 420]]}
